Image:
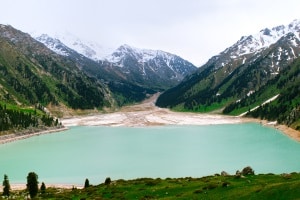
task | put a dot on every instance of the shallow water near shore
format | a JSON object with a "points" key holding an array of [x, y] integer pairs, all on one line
{"points": [[95, 153]]}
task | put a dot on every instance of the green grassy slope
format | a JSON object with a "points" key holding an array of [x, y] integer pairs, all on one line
{"points": [[264, 186]]}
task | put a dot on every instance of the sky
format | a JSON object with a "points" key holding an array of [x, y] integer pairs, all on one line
{"points": [[195, 30]]}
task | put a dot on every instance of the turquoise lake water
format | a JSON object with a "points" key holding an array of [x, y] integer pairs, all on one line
{"points": [[95, 153]]}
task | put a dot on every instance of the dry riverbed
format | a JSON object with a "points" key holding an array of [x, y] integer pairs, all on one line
{"points": [[147, 114]]}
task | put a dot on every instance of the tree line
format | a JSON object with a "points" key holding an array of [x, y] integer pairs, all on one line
{"points": [[18, 119], [32, 186]]}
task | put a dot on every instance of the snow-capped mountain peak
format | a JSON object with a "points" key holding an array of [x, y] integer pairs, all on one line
{"points": [[90, 50], [141, 55], [265, 38], [54, 44]]}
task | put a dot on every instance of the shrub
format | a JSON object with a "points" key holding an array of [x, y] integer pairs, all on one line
{"points": [[86, 183], [32, 184], [107, 181], [247, 171]]}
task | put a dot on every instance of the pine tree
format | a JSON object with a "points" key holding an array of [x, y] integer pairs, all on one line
{"points": [[6, 186], [32, 184], [86, 183], [43, 188]]}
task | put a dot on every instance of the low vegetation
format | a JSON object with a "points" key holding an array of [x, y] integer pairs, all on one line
{"points": [[244, 185]]}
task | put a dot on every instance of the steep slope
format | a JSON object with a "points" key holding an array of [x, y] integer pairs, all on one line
{"points": [[89, 49], [31, 74], [150, 68], [123, 91], [130, 73], [237, 72], [285, 108]]}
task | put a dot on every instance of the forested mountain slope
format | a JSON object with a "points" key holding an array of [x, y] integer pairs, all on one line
{"points": [[237, 72], [33, 77], [285, 108]]}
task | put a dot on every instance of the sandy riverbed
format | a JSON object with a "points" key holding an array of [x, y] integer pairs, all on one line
{"points": [[147, 114]]}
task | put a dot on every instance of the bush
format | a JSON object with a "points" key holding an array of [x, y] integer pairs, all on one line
{"points": [[86, 183], [107, 181], [32, 184], [247, 171], [43, 188]]}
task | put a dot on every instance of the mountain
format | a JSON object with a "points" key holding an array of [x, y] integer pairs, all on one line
{"points": [[130, 73], [91, 50], [238, 72], [285, 107], [33, 74], [151, 68]]}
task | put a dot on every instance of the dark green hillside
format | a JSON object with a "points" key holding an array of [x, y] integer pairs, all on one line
{"points": [[126, 93], [230, 77], [212, 88], [31, 73], [123, 90], [285, 109], [18, 119]]}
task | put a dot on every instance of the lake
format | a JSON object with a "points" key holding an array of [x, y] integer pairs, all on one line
{"points": [[95, 153]]}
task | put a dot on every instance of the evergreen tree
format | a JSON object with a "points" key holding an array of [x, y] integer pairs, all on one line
{"points": [[43, 188], [86, 183], [107, 181], [6, 186], [32, 184]]}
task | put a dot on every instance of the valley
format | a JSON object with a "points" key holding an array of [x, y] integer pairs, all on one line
{"points": [[150, 100], [147, 114]]}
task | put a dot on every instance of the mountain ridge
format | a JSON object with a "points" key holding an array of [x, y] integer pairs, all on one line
{"points": [[238, 72], [34, 73], [150, 69]]}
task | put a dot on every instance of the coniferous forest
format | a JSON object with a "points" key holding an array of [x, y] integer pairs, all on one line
{"points": [[17, 119], [285, 109]]}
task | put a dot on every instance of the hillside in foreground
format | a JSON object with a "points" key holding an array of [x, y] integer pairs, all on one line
{"points": [[262, 186]]}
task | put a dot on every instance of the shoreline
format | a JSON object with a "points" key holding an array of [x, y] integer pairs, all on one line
{"points": [[22, 186], [15, 137], [291, 133], [143, 115]]}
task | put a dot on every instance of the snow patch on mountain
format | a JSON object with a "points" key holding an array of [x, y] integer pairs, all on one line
{"points": [[265, 38], [89, 49], [54, 44], [141, 55]]}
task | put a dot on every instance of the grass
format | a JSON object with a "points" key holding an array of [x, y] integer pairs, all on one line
{"points": [[216, 106], [25, 109], [263, 186]]}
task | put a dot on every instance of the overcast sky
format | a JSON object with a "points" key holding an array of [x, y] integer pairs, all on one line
{"points": [[193, 29]]}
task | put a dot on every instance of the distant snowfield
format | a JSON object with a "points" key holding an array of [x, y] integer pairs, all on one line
{"points": [[147, 114]]}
